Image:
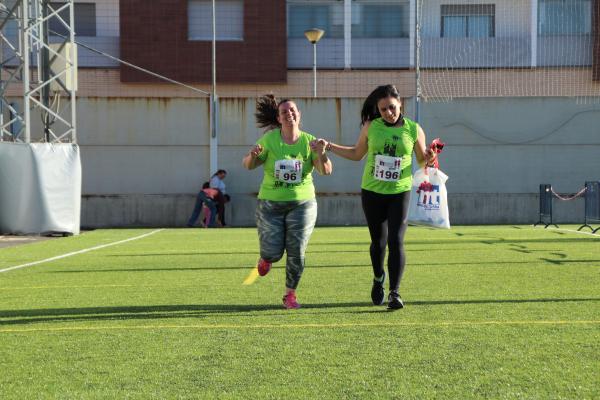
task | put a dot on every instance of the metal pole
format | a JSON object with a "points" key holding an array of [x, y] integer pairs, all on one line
{"points": [[1, 112], [45, 70], [73, 71], [26, 71], [315, 69], [213, 97], [417, 61], [533, 32], [2, 82], [214, 58], [1, 88], [347, 34]]}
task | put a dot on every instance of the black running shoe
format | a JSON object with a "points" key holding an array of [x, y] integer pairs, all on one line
{"points": [[394, 301], [377, 292]]}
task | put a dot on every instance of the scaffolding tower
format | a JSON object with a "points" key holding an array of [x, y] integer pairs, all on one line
{"points": [[40, 165], [39, 68]]}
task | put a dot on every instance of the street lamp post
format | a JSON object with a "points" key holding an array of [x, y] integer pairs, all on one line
{"points": [[314, 35]]}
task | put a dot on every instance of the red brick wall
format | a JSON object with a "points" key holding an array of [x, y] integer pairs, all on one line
{"points": [[596, 35], [154, 36]]}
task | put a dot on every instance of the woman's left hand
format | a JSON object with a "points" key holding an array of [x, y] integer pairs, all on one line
{"points": [[430, 158], [319, 146]]}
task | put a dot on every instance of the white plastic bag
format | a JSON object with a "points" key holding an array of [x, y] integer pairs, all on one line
{"points": [[429, 199]]}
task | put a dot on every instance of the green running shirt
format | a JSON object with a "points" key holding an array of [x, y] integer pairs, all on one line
{"points": [[291, 183], [394, 146]]}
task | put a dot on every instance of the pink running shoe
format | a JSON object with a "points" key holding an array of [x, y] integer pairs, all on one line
{"points": [[263, 267], [290, 302]]}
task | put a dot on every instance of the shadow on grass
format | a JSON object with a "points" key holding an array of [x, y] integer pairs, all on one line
{"points": [[180, 269], [409, 303], [558, 254], [24, 317], [310, 250], [499, 301], [561, 262], [316, 266], [225, 253], [322, 243], [511, 242]]}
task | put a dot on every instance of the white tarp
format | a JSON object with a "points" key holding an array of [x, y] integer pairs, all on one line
{"points": [[40, 188]]}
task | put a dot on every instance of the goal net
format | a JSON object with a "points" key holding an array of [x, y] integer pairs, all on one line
{"points": [[481, 48]]}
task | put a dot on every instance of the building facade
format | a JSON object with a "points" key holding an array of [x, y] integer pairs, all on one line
{"points": [[511, 86]]}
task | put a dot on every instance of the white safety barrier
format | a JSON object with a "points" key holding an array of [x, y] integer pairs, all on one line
{"points": [[40, 188]]}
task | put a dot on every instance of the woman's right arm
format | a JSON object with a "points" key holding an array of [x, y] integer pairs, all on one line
{"points": [[356, 152], [251, 160]]}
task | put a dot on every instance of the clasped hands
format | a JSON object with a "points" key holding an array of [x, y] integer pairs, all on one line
{"points": [[319, 146]]}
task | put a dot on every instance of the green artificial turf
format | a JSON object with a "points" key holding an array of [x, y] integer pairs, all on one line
{"points": [[503, 312]]}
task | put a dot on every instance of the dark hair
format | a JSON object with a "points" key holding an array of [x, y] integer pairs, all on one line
{"points": [[369, 109], [267, 110], [221, 171], [205, 185]]}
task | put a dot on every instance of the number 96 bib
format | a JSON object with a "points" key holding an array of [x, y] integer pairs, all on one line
{"points": [[387, 168], [288, 171]]}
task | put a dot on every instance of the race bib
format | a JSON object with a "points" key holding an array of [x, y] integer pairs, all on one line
{"points": [[288, 171], [387, 168]]}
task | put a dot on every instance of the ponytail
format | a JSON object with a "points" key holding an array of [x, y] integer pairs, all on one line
{"points": [[266, 111]]}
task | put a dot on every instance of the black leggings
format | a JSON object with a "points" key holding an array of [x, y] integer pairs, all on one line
{"points": [[387, 219]]}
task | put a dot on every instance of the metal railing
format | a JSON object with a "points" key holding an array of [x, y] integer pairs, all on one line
{"points": [[592, 205], [545, 206]]}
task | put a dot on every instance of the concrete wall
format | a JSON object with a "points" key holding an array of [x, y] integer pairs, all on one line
{"points": [[144, 159]]}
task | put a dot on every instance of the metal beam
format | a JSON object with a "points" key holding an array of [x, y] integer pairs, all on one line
{"points": [[38, 69]]}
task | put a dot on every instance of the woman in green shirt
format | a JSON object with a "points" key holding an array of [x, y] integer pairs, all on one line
{"points": [[287, 210], [388, 140]]}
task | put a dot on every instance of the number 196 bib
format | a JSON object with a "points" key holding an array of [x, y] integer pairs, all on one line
{"points": [[387, 168], [288, 171]]}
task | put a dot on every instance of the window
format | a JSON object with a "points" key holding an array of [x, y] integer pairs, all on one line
{"points": [[564, 17], [85, 19], [380, 20], [329, 17], [468, 20], [229, 17]]}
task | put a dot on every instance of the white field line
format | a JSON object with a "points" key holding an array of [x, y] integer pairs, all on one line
{"points": [[446, 324], [80, 251]]}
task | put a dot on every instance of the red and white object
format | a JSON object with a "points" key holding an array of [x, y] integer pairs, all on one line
{"points": [[429, 198]]}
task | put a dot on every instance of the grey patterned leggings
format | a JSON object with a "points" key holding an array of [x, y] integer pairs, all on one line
{"points": [[286, 226]]}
